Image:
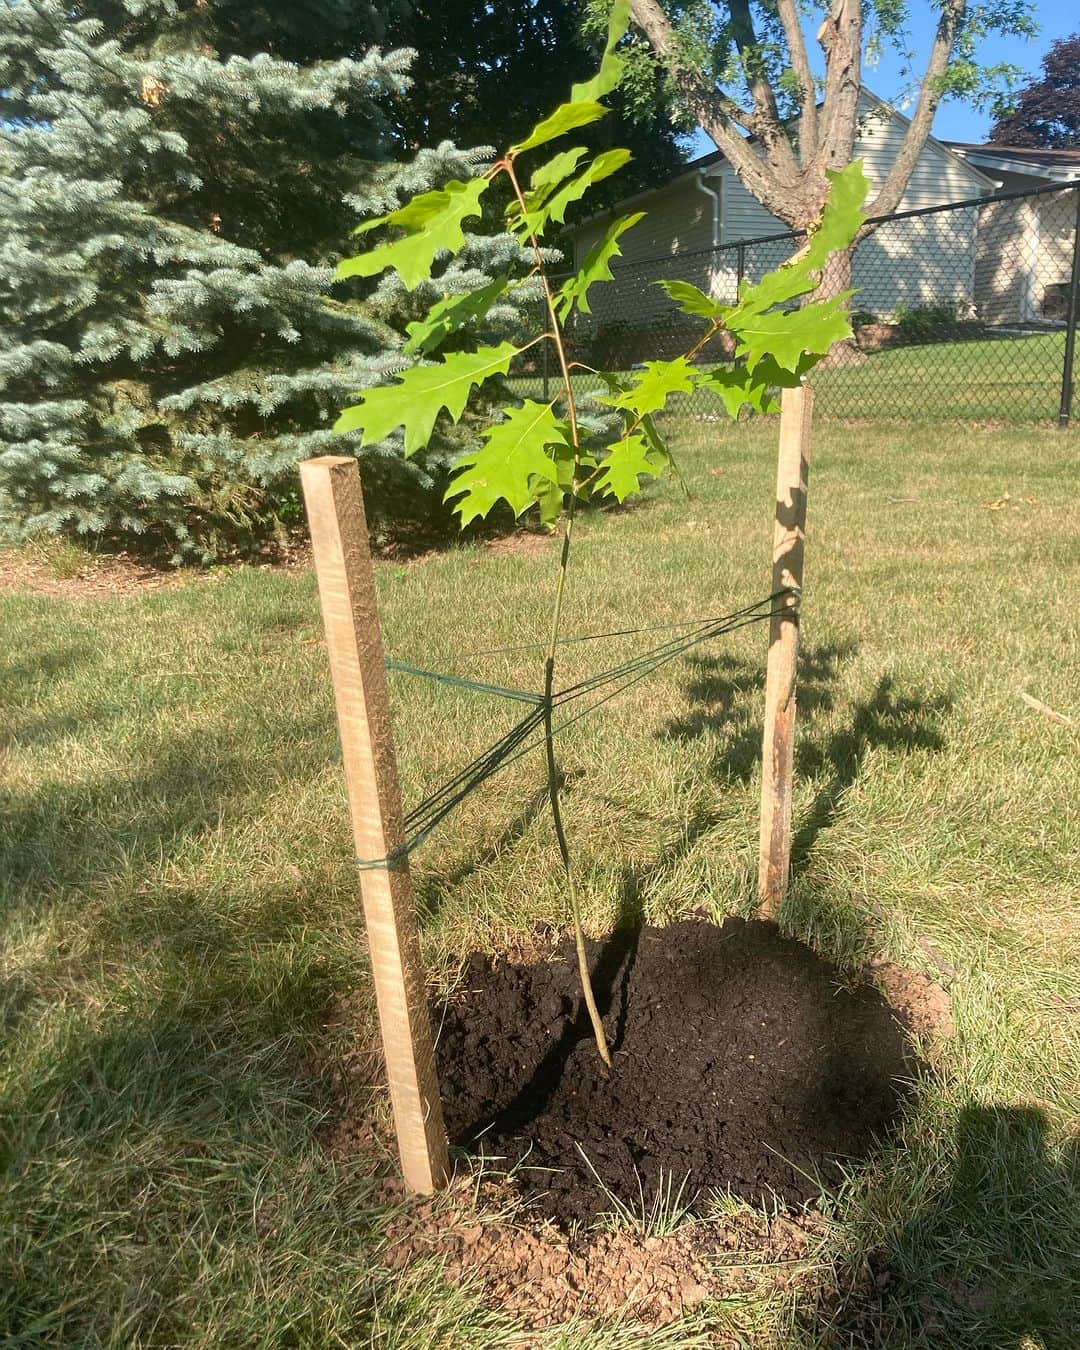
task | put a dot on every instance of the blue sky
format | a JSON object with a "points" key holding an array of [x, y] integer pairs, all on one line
{"points": [[957, 121]]}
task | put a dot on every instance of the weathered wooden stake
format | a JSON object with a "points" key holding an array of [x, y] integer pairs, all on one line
{"points": [[339, 538], [777, 758]]}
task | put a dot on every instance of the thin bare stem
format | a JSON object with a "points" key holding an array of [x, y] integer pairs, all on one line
{"points": [[553, 776]]}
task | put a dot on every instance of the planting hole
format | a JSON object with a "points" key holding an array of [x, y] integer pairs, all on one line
{"points": [[743, 1062]]}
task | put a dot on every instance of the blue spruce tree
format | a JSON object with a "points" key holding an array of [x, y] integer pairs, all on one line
{"points": [[176, 182]]}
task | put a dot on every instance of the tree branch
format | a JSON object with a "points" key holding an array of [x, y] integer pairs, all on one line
{"points": [[840, 37], [800, 64], [717, 114], [766, 124], [896, 180]]}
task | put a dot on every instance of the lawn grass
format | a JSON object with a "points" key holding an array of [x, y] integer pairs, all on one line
{"points": [[180, 915], [1004, 378]]}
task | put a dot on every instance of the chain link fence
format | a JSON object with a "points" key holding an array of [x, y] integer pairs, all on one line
{"points": [[961, 311]]}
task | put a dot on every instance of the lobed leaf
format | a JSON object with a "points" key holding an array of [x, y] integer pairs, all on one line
{"points": [[515, 464], [693, 301], [611, 64], [788, 335], [603, 166], [842, 216], [565, 118], [840, 221], [421, 393], [738, 385], [583, 107], [595, 267], [649, 393], [451, 313], [551, 174], [551, 496], [628, 461], [433, 222]]}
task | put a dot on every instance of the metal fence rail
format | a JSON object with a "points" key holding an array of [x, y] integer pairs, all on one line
{"points": [[967, 310]]}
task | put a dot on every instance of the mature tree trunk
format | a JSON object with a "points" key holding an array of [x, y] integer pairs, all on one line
{"points": [[836, 278]]}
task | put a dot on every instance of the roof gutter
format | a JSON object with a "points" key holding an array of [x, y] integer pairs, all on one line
{"points": [[714, 195], [1057, 173]]}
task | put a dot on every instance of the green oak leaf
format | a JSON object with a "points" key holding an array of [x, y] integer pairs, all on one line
{"points": [[432, 221], [421, 393], [565, 118], [787, 336], [840, 222], [777, 377], [660, 452], [779, 287], [514, 462], [551, 496], [603, 166], [558, 167], [693, 301], [611, 64], [452, 312], [648, 393], [626, 462], [736, 385], [842, 217], [595, 267], [547, 204], [546, 179]]}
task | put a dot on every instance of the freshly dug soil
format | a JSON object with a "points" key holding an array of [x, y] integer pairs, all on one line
{"points": [[742, 1061]]}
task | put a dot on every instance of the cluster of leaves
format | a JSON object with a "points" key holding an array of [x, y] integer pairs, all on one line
{"points": [[538, 454]]}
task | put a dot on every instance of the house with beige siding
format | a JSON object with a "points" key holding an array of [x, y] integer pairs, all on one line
{"points": [[694, 225], [1023, 259]]}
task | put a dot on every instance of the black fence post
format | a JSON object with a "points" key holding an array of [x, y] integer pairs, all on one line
{"points": [[1065, 407], [741, 268]]}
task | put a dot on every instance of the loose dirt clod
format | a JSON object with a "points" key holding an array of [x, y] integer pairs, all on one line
{"points": [[743, 1061], [543, 1278]]}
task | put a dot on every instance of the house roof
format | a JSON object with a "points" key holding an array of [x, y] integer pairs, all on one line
{"points": [[716, 158], [1056, 166]]}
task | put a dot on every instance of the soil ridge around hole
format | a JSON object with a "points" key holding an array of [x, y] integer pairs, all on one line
{"points": [[744, 1061]]}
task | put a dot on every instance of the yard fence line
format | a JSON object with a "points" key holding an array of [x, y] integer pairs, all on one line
{"points": [[966, 310]]}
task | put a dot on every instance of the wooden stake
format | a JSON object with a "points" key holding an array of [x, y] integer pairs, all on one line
{"points": [[777, 758], [339, 537]]}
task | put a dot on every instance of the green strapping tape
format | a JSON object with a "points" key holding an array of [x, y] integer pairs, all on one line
{"points": [[460, 682]]}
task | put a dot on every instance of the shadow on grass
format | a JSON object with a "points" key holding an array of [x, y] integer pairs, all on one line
{"points": [[887, 720], [20, 680], [142, 1139], [990, 1261], [433, 889], [728, 695], [65, 834]]}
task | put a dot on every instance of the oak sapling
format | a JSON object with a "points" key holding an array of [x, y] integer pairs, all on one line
{"points": [[538, 454]]}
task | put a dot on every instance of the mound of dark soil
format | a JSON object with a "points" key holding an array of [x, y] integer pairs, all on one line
{"points": [[742, 1060]]}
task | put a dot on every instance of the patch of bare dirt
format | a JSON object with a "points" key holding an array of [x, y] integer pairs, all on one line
{"points": [[923, 1006], [101, 577], [543, 1278], [484, 1232], [520, 543]]}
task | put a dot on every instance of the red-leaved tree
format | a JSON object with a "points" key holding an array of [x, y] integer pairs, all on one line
{"points": [[1046, 114]]}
